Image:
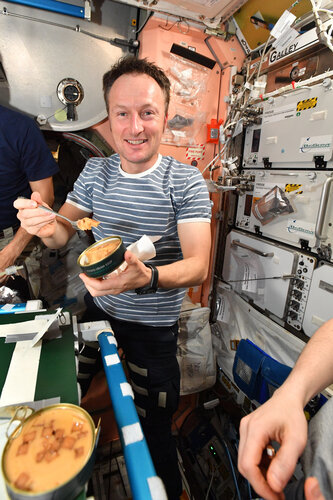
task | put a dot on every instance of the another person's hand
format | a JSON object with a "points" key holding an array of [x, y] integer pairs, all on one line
{"points": [[7, 259], [280, 419], [34, 220], [134, 276], [312, 489]]}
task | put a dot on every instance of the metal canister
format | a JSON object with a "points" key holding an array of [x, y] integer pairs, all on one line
{"points": [[72, 487]]}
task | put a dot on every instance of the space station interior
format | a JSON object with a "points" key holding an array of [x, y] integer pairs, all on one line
{"points": [[251, 86]]}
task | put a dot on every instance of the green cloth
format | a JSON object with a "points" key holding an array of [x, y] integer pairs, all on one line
{"points": [[56, 372]]}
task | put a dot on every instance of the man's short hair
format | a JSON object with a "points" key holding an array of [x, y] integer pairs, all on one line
{"points": [[133, 65]]}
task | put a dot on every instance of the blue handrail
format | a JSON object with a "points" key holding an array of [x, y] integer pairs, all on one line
{"points": [[54, 6], [145, 484]]}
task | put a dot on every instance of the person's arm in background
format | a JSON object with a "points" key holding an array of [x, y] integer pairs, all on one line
{"points": [[282, 418], [10, 253], [195, 240]]}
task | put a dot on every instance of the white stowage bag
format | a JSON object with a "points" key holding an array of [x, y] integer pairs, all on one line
{"points": [[195, 350]]}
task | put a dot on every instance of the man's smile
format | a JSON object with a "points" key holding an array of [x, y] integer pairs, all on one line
{"points": [[137, 142]]}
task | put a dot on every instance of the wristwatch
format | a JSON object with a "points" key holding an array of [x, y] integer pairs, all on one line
{"points": [[152, 286]]}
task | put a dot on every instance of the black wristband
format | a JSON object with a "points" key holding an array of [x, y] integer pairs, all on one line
{"points": [[153, 285]]}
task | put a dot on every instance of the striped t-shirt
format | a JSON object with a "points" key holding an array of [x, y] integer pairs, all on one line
{"points": [[131, 205]]}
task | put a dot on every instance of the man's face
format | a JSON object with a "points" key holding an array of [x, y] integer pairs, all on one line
{"points": [[137, 120]]}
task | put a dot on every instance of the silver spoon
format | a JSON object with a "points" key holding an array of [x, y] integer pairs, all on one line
{"points": [[73, 223]]}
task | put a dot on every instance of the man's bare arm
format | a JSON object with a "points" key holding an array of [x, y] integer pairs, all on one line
{"points": [[195, 240], [282, 418], [13, 250]]}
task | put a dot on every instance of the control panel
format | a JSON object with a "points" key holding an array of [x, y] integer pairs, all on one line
{"points": [[299, 291]]}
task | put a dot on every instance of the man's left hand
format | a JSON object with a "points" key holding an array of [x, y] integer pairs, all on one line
{"points": [[134, 276]]}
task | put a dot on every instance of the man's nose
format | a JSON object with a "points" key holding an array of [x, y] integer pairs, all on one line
{"points": [[136, 124]]}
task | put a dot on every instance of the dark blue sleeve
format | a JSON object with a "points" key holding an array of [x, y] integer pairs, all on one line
{"points": [[35, 157]]}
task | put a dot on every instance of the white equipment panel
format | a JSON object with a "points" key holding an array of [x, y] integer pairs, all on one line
{"points": [[41, 49], [275, 278], [237, 320], [320, 301], [296, 130], [304, 216], [209, 12]]}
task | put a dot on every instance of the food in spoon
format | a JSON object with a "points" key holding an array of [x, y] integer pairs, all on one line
{"points": [[86, 223]]}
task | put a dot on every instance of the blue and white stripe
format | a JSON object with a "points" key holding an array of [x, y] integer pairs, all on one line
{"points": [[131, 205]]}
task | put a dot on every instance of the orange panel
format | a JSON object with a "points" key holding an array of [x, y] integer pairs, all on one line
{"points": [[156, 41]]}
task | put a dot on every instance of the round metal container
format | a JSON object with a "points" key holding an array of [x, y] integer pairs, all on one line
{"points": [[114, 249], [68, 490]]}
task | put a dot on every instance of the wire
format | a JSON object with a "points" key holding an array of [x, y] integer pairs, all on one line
{"points": [[264, 53], [232, 468], [325, 10], [210, 484], [226, 448], [110, 469], [48, 117], [221, 150], [248, 484], [178, 23], [150, 13], [83, 142]]}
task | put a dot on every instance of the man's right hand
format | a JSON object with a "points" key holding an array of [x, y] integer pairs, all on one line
{"points": [[33, 220], [312, 489], [280, 419]]}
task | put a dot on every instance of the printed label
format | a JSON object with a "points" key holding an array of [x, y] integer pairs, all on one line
{"points": [[302, 41], [285, 40], [300, 227], [223, 314], [195, 152], [316, 144], [250, 276], [261, 188], [283, 23], [280, 113]]}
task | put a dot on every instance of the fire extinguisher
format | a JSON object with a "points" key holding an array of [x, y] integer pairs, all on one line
{"points": [[213, 130]]}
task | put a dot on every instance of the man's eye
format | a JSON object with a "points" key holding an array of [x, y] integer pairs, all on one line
{"points": [[147, 113], [122, 113]]}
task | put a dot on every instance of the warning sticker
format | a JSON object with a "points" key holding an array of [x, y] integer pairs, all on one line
{"points": [[293, 188], [307, 104], [195, 152]]}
